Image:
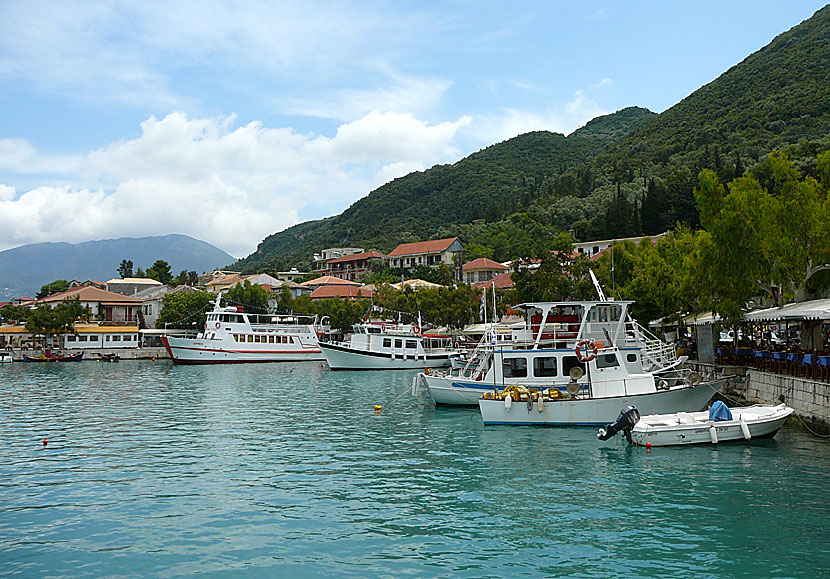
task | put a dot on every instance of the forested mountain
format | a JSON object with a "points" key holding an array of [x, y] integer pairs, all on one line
{"points": [[24, 269], [628, 173], [489, 184]]}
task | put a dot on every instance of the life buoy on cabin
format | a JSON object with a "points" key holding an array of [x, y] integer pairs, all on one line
{"points": [[218, 325], [416, 329], [590, 350]]}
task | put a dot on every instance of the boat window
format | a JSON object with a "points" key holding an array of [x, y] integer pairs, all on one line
{"points": [[544, 366], [631, 357], [373, 330], [569, 363], [387, 342], [411, 344], [270, 339], [399, 343], [607, 361], [515, 367], [250, 338]]}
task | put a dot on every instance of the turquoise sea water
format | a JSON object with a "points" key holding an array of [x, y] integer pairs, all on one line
{"points": [[285, 470]]}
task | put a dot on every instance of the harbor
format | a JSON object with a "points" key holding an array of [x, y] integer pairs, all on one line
{"points": [[145, 468]]}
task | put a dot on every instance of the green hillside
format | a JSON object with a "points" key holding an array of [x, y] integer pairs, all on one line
{"points": [[489, 184], [624, 174]]}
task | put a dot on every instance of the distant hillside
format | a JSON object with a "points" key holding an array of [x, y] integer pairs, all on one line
{"points": [[488, 184], [23, 270], [625, 174]]}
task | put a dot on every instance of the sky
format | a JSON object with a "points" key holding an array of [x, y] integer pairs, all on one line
{"points": [[229, 121]]}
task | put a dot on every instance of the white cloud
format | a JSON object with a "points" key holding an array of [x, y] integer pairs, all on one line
{"points": [[208, 178]]}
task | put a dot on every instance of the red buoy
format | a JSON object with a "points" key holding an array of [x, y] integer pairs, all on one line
{"points": [[44, 442], [648, 445]]}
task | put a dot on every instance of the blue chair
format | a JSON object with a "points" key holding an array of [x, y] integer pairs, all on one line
{"points": [[808, 362]]}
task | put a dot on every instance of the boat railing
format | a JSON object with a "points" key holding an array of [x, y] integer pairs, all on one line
{"points": [[656, 353]]}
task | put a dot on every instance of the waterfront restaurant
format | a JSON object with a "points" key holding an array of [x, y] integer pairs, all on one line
{"points": [[793, 339]]}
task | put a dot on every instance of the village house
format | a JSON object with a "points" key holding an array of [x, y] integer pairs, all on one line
{"points": [[349, 292], [429, 253], [482, 269], [321, 260], [350, 267], [129, 286], [594, 248], [105, 306]]}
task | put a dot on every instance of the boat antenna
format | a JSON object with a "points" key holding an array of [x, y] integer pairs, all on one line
{"points": [[597, 287]]}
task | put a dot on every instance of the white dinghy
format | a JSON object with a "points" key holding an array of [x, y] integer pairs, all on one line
{"points": [[717, 425]]}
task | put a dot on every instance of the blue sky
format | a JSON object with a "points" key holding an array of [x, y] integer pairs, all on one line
{"points": [[230, 121]]}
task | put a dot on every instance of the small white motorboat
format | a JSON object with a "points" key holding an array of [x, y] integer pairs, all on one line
{"points": [[717, 425], [6, 358]]}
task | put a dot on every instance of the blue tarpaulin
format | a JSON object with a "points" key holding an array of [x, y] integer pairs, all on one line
{"points": [[719, 411]]}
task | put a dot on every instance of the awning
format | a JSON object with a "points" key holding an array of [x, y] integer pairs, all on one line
{"points": [[812, 310]]}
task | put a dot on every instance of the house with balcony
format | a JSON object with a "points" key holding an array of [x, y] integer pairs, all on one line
{"points": [[482, 269], [129, 286], [351, 267], [429, 253], [105, 306], [321, 260]]}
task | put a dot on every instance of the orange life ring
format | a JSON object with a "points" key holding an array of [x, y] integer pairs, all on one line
{"points": [[590, 350], [416, 329], [218, 325]]}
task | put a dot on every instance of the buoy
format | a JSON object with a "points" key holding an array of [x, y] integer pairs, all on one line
{"points": [[44, 442], [508, 402], [713, 434], [154, 358], [648, 445], [378, 408]]}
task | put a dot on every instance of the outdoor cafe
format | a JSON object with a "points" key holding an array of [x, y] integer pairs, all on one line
{"points": [[793, 339]]}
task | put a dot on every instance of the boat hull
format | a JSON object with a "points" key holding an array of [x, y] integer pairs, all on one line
{"points": [[341, 357], [595, 411], [199, 351], [669, 430], [43, 358]]}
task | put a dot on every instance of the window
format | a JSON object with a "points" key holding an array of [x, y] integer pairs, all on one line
{"points": [[93, 338], [607, 361], [82, 338], [515, 367], [270, 339], [569, 363], [116, 338], [411, 344], [387, 342], [70, 338], [631, 357], [544, 367], [250, 338], [399, 343]]}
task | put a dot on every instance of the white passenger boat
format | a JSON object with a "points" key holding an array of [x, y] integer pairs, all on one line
{"points": [[232, 335], [682, 428], [377, 345], [615, 357]]}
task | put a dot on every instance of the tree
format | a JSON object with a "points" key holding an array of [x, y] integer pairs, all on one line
{"points": [[561, 276], [47, 320], [160, 271], [126, 268], [762, 241], [12, 313], [59, 285], [252, 297], [185, 277], [184, 309]]}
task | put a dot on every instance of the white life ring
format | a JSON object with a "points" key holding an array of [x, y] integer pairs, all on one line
{"points": [[590, 350]]}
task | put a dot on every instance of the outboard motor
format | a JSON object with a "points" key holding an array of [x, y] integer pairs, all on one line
{"points": [[625, 422]]}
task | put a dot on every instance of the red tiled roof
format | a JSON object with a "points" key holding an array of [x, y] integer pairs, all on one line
{"points": [[434, 246], [327, 280], [90, 294], [483, 263], [501, 282], [340, 291], [357, 257]]}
